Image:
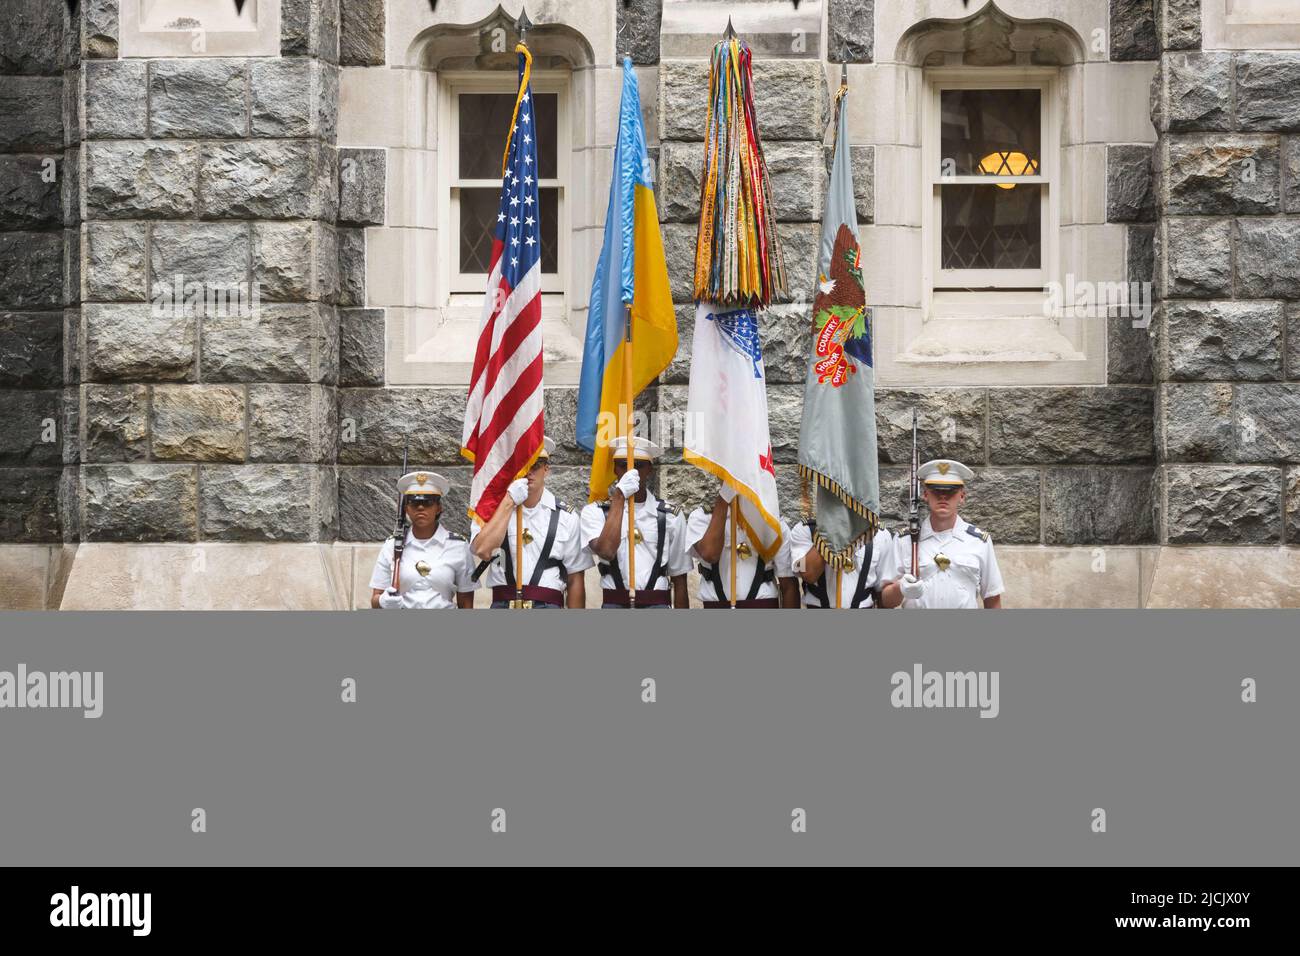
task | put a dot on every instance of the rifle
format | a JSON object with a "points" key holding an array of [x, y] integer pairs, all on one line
{"points": [[914, 506], [399, 533]]}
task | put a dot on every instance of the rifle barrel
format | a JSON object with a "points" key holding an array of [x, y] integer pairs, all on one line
{"points": [[399, 533], [914, 505]]}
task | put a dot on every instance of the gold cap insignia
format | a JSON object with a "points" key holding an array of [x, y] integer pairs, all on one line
{"points": [[943, 467], [421, 478]]}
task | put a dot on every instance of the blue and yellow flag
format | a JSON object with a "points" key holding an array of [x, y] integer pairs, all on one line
{"points": [[631, 270]]}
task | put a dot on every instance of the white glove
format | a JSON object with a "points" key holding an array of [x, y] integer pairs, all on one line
{"points": [[390, 599], [630, 483], [913, 589], [518, 490]]}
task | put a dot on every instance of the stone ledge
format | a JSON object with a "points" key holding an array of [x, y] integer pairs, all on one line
{"points": [[33, 576], [965, 341], [266, 576], [203, 576], [1226, 577]]}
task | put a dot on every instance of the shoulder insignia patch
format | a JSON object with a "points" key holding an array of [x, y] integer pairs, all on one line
{"points": [[977, 533], [453, 536]]}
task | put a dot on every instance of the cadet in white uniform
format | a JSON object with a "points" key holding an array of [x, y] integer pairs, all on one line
{"points": [[859, 586], [554, 558], [436, 564], [956, 562], [661, 558], [759, 583]]}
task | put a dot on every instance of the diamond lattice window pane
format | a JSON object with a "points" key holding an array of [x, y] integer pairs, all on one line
{"points": [[991, 132], [478, 217], [484, 119], [988, 227]]}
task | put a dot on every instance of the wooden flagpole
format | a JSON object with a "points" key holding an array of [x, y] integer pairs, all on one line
{"points": [[631, 457], [735, 514], [519, 555]]}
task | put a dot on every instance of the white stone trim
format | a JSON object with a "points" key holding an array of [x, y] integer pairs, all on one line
{"points": [[146, 28], [1250, 25]]}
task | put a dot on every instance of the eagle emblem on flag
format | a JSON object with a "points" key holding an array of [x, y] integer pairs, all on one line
{"points": [[841, 314]]}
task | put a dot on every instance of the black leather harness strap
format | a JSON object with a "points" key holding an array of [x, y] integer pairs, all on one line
{"points": [[817, 589], [763, 574], [544, 560], [612, 570], [661, 531], [821, 592], [862, 592]]}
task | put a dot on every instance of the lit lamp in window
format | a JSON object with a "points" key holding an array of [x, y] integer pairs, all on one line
{"points": [[1008, 163]]}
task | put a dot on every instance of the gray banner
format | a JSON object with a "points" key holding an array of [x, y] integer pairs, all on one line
{"points": [[758, 714]]}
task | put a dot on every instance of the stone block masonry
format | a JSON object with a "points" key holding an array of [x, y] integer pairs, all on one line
{"points": [[1227, 274], [209, 286], [38, 229]]}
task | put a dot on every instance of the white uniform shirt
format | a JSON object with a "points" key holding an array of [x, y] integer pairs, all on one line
{"points": [[882, 569], [698, 523], [972, 570], [445, 560], [567, 547], [676, 561]]}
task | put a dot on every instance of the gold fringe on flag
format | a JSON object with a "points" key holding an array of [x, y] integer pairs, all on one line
{"points": [[738, 258], [842, 557]]}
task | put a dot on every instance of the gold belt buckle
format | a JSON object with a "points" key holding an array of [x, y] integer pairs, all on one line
{"points": [[521, 604]]}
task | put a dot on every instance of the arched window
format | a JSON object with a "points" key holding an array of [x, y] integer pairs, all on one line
{"points": [[427, 264]]}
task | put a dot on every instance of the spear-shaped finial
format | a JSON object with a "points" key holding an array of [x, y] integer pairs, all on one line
{"points": [[730, 33], [523, 24], [239, 7]]}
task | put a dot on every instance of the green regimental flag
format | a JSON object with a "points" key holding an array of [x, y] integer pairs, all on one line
{"points": [[837, 437]]}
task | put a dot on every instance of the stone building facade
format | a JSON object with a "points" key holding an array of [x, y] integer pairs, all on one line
{"points": [[325, 152]]}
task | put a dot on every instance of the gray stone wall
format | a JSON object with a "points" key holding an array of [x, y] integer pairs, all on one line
{"points": [[39, 51], [183, 427], [1228, 198], [638, 30], [1133, 29], [202, 174]]}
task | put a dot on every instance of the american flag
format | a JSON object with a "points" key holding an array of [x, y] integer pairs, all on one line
{"points": [[503, 418]]}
